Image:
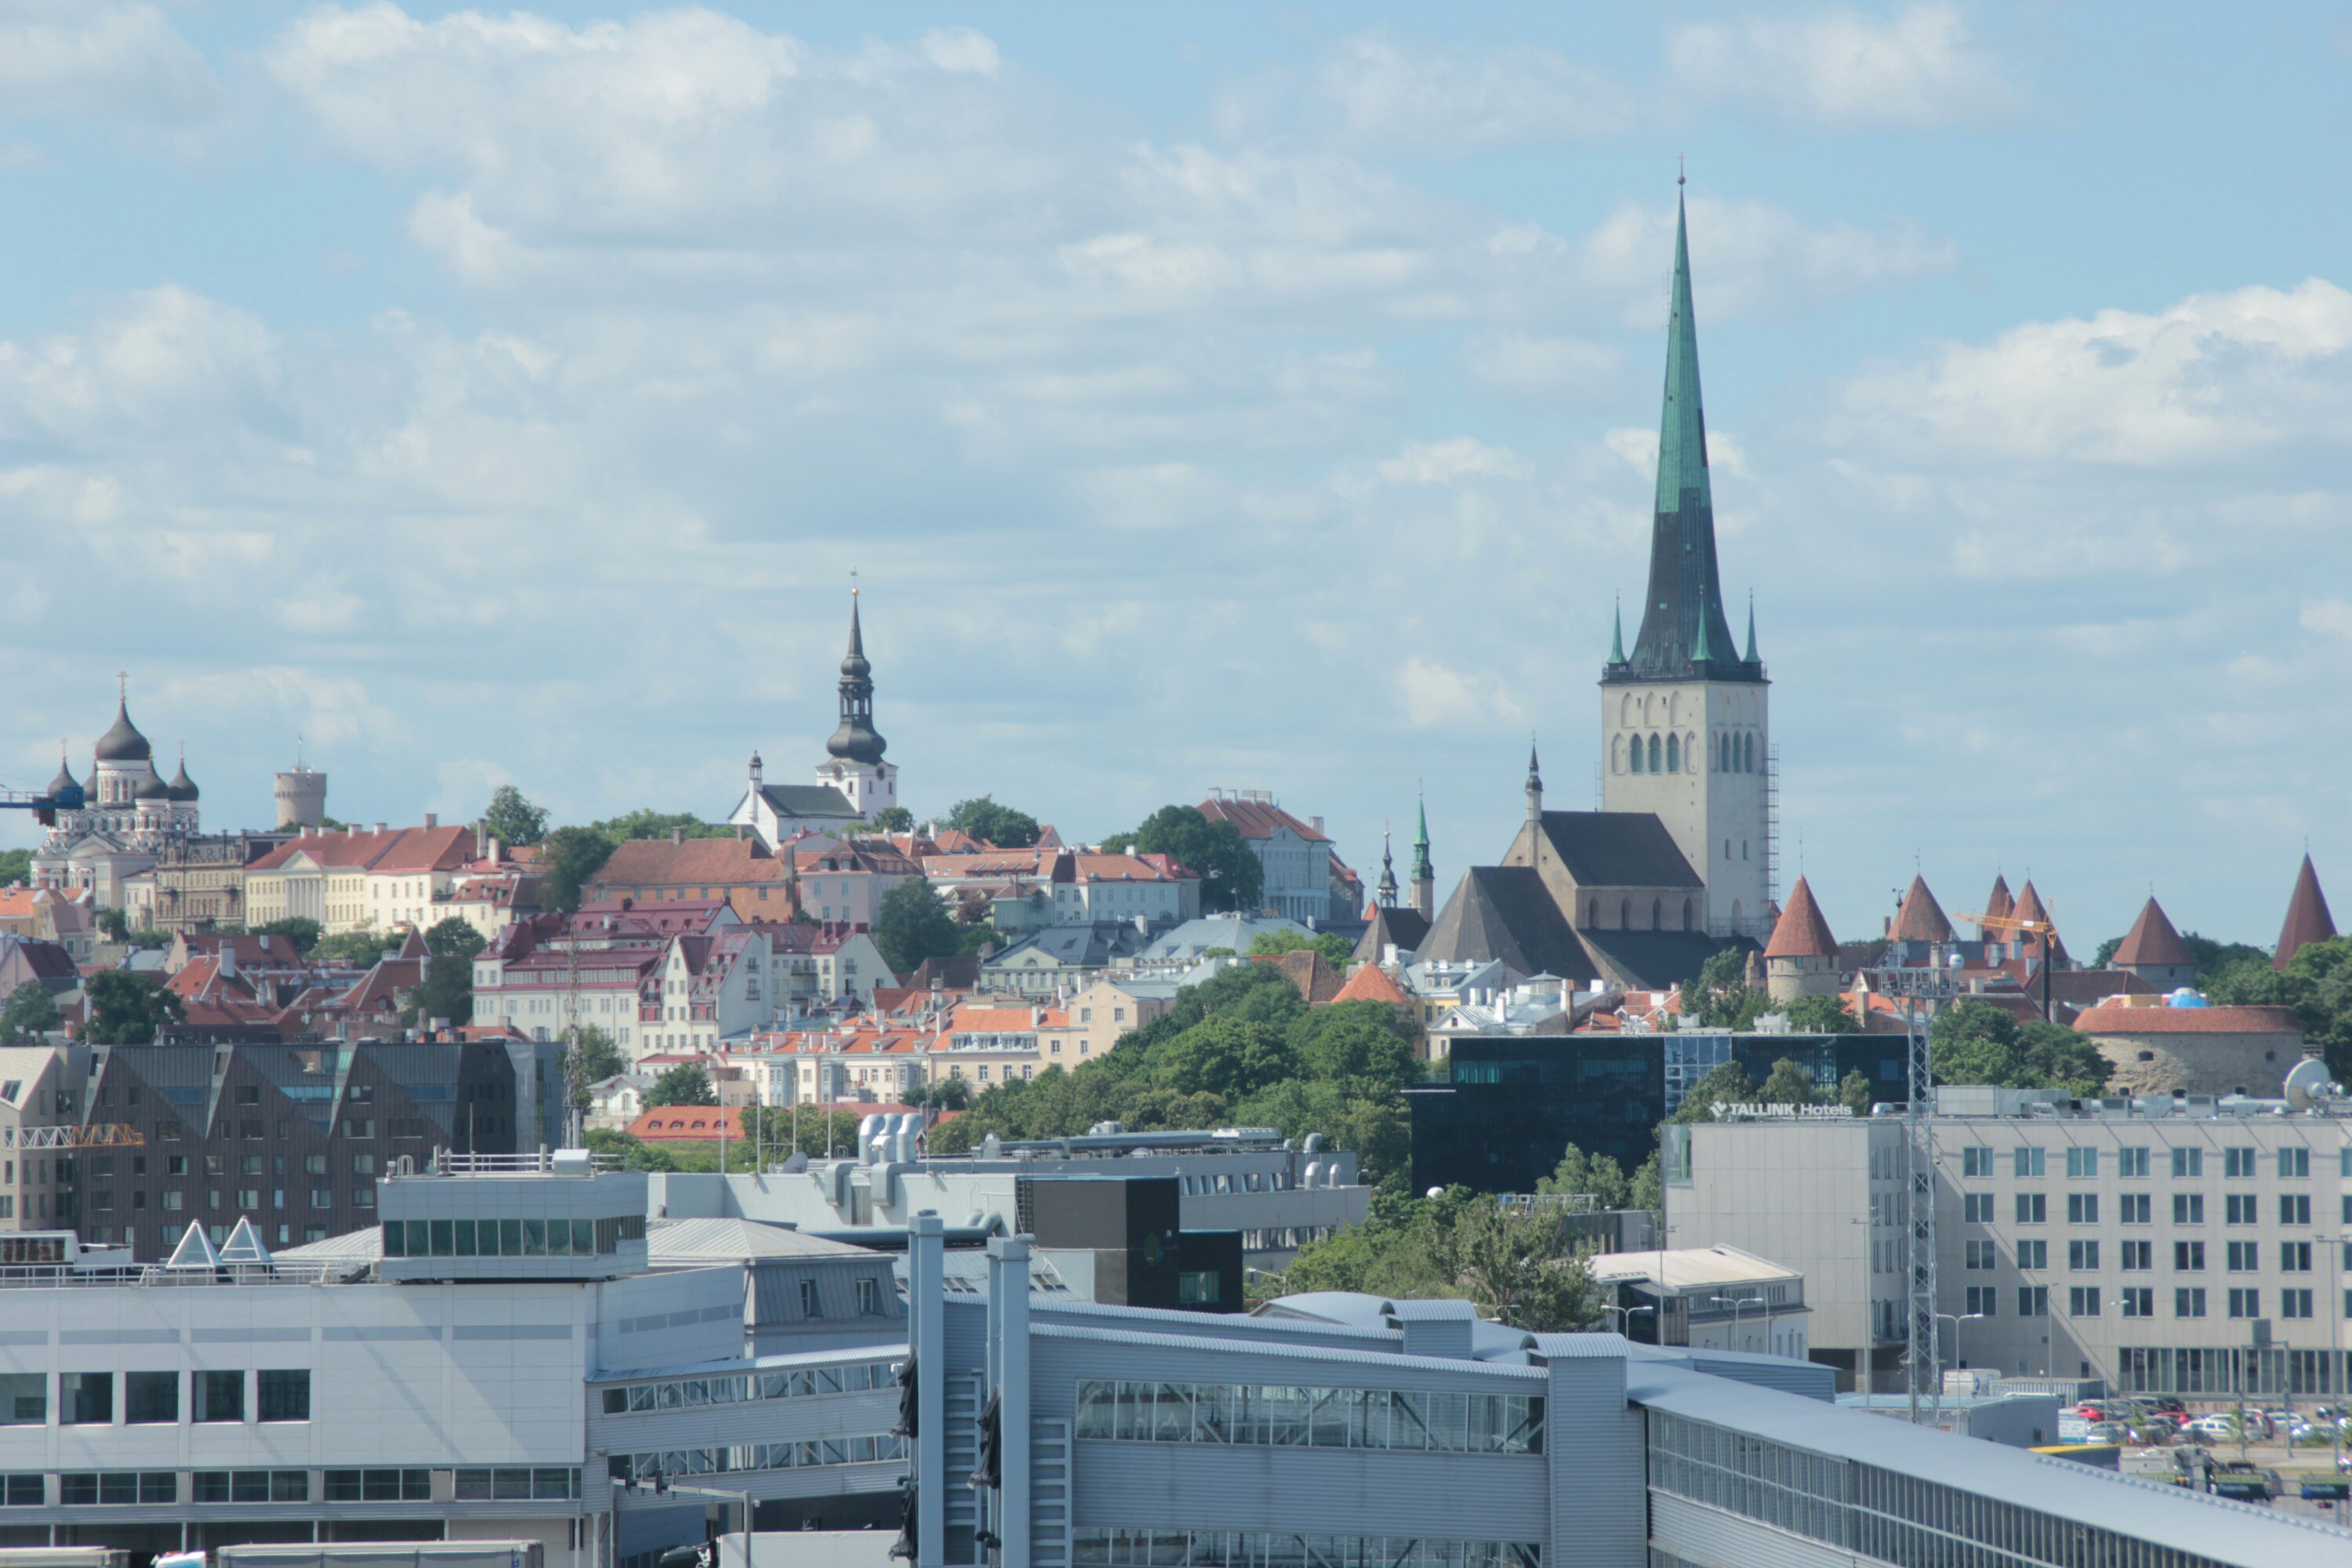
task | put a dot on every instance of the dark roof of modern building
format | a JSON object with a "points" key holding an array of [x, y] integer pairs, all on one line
{"points": [[1618, 849], [1404, 928], [1655, 960], [1801, 932], [817, 801], [122, 743], [1921, 918], [2307, 920], [1505, 915], [2152, 942]]}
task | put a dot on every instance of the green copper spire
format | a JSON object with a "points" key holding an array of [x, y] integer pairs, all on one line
{"points": [[1682, 426], [1617, 635], [1702, 650], [1420, 866], [1752, 658]]}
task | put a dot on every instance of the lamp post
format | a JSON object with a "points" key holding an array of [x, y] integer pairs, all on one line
{"points": [[1955, 1320], [1625, 1314], [662, 1483], [1738, 1303]]}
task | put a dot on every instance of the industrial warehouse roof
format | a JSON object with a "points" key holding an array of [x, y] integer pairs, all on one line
{"points": [[1688, 1268]]}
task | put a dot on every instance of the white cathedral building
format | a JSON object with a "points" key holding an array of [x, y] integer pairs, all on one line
{"points": [[854, 783], [129, 814]]}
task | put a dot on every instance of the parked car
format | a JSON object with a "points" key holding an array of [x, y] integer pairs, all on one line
{"points": [[2168, 1404]]}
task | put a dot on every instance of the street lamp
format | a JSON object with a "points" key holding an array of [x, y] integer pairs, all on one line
{"points": [[1624, 1314], [661, 1482], [1955, 1320], [1738, 1303]]}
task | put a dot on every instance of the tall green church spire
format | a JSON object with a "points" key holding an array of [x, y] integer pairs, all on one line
{"points": [[1681, 425], [1617, 635], [1420, 866], [1750, 655]]}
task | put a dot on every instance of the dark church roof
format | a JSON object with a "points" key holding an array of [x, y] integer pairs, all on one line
{"points": [[1617, 849], [1505, 913], [857, 740], [1655, 960], [1403, 928], [822, 802], [123, 742]]}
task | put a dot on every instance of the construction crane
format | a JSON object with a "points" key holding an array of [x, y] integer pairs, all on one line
{"points": [[2044, 929], [45, 807], [97, 1135]]}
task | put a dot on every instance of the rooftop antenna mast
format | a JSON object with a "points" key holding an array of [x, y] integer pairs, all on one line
{"points": [[1922, 989]]}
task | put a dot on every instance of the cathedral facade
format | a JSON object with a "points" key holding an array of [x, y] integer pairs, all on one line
{"points": [[130, 815]]}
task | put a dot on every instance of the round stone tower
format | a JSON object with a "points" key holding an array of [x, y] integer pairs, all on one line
{"points": [[301, 797]]}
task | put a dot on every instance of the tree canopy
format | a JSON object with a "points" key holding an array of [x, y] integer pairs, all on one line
{"points": [[685, 1084], [127, 1009], [446, 991], [1000, 825], [1231, 877], [912, 924], [363, 947], [2316, 982], [31, 1011], [1976, 1041], [1721, 995], [453, 938], [511, 819], [1337, 950], [591, 1058], [1822, 1015], [889, 819], [1518, 1267], [301, 929], [16, 867]]}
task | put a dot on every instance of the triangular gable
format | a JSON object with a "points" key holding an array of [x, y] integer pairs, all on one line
{"points": [[242, 1246], [195, 1250]]}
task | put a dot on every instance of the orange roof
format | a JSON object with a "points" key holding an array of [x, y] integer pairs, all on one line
{"points": [[2109, 1020], [1801, 932], [1921, 918], [1370, 983], [18, 903], [2307, 920], [393, 849], [660, 862], [1312, 973], [2152, 942], [1257, 818], [1000, 1019], [687, 1121]]}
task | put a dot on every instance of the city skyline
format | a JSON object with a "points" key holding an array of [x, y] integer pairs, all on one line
{"points": [[1297, 437]]}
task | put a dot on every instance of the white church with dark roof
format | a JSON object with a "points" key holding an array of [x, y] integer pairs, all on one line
{"points": [[130, 812], [853, 781]]}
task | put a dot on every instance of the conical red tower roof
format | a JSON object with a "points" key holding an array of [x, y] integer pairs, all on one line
{"points": [[2152, 942], [1801, 932], [1921, 918], [1999, 906], [2307, 920], [2031, 908]]}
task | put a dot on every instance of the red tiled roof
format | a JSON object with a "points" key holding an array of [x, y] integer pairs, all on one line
{"points": [[1258, 819], [1311, 972], [1998, 905], [393, 849], [687, 1121], [2152, 942], [1921, 918], [2120, 1020], [697, 862], [1370, 983], [1801, 932], [1118, 868], [2307, 920]]}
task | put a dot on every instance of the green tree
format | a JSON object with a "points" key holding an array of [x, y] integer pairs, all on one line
{"points": [[2055, 1057], [647, 823], [31, 1012], [1224, 1057], [590, 1059], [568, 859], [511, 819], [1519, 1269], [1337, 950], [446, 991], [1721, 995], [1974, 1042], [1822, 1015], [1231, 877], [1000, 825], [2316, 982], [127, 1009], [1788, 1084], [113, 925], [1649, 1187], [1598, 1176], [1515, 1267], [453, 938], [1853, 1092], [304, 931], [912, 925], [947, 1094], [635, 1154], [363, 947], [1364, 1044], [16, 867], [1728, 1082], [892, 819], [685, 1084]]}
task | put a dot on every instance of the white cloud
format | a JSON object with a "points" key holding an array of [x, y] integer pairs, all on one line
{"points": [[2328, 617], [1450, 461], [1922, 68], [1518, 361], [92, 58], [1428, 97], [1435, 696], [2213, 378]]}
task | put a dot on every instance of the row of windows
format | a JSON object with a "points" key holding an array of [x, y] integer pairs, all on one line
{"points": [[2139, 1257], [865, 1449], [244, 1198], [1312, 1418], [1100, 1548], [510, 1238], [1877, 1513], [2292, 1161], [153, 1398], [686, 1392], [2232, 1370], [105, 1488], [1727, 753], [2139, 1209], [2140, 1301]]}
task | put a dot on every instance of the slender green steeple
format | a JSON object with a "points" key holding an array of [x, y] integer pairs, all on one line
{"points": [[1420, 866], [1682, 624], [1749, 657], [1617, 635]]}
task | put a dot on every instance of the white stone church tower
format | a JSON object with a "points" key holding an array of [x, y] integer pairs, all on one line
{"points": [[1686, 719]]}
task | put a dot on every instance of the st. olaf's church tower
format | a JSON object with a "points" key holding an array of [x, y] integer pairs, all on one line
{"points": [[1686, 717]]}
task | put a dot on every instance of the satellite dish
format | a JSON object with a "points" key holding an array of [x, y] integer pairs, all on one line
{"points": [[2308, 1084]]}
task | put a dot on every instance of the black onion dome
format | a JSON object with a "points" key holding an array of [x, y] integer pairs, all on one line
{"points": [[65, 779], [857, 740], [123, 742], [152, 786], [182, 786]]}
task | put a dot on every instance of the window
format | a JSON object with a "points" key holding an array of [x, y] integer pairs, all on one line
{"points": [[2131, 1162], [85, 1398], [2245, 1258], [2033, 1255], [808, 1299], [2189, 1208], [2026, 1162], [283, 1396], [1199, 1288], [1977, 1207], [2033, 1208], [2083, 1302], [219, 1395], [2245, 1303], [2139, 1209], [377, 1486], [2082, 1164], [86, 1488], [2189, 1257], [2189, 1303], [2138, 1302], [150, 1399], [252, 1486], [2082, 1208], [2295, 1303], [23, 1490], [2032, 1300], [1980, 1255], [2294, 1160], [2237, 1163], [24, 1399], [1983, 1300], [1976, 1159], [2138, 1256], [2083, 1256], [2189, 1163], [2294, 1257], [2238, 1208], [2294, 1208], [1250, 1413], [869, 1298]]}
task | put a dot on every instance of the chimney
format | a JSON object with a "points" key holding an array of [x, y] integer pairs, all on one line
{"points": [[432, 820], [678, 835], [1315, 823], [380, 827]]}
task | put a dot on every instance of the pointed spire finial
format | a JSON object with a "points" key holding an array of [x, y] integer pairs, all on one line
{"points": [[1617, 632], [1682, 170], [1703, 649], [1752, 658]]}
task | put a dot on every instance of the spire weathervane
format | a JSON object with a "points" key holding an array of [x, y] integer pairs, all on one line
{"points": [[1681, 175]]}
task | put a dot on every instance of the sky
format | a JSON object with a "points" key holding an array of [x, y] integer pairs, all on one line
{"points": [[1259, 396]]}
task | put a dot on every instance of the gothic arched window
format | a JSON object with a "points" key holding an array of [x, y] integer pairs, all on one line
{"points": [[1690, 753], [1657, 914], [1637, 754], [1751, 753], [1686, 914], [1656, 753], [1674, 754], [1617, 756], [1625, 914]]}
